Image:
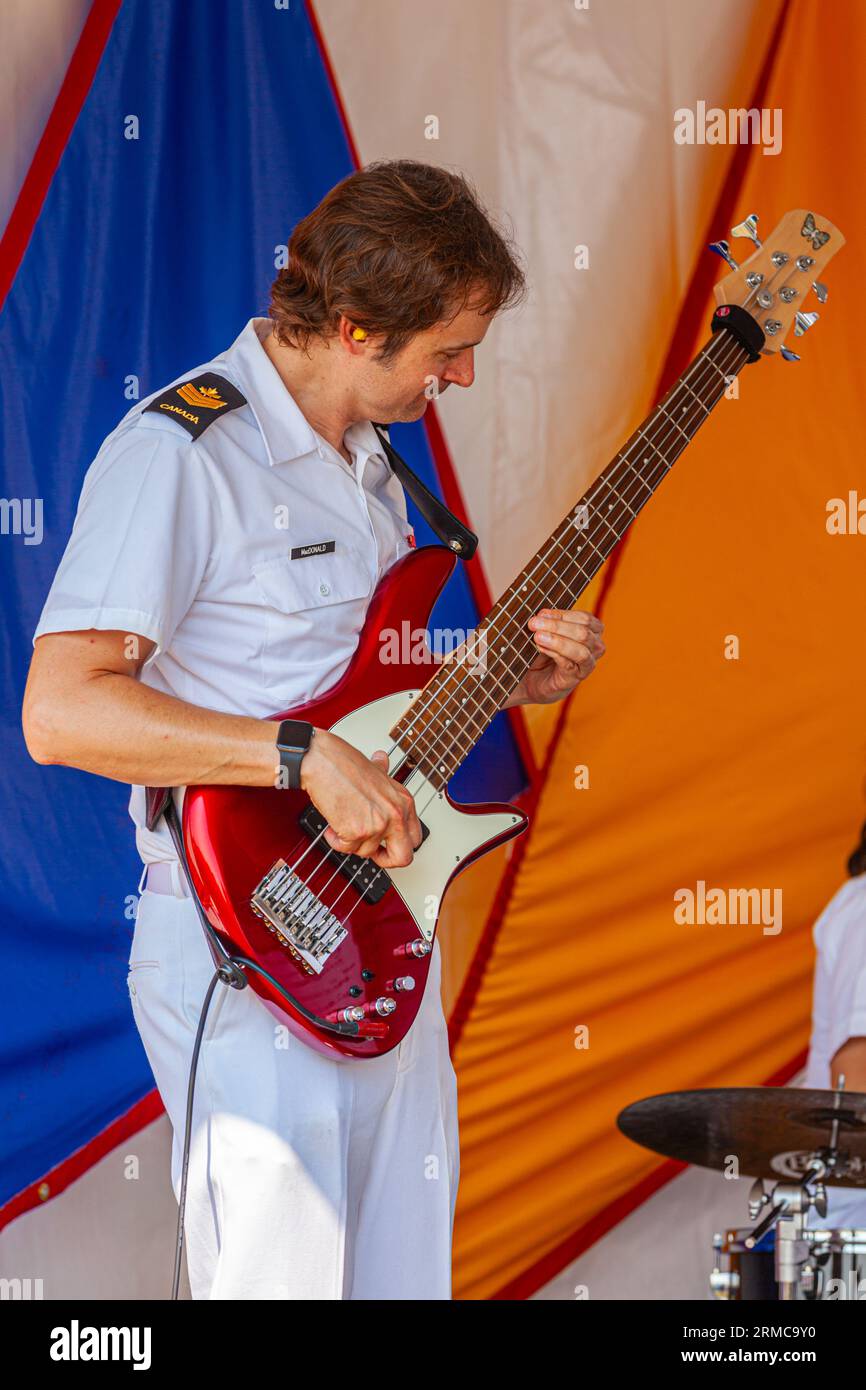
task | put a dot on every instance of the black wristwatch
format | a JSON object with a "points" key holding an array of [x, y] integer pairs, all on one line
{"points": [[293, 739]]}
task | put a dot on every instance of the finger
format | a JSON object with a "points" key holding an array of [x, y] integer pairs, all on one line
{"points": [[563, 647], [574, 616], [412, 824], [347, 846], [576, 625], [595, 623], [587, 640], [380, 758], [397, 851], [567, 655]]}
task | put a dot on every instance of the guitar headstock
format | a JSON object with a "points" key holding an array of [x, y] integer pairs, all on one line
{"points": [[779, 275]]}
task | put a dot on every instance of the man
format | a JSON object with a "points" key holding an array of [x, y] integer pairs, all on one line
{"points": [[229, 536], [838, 1044]]}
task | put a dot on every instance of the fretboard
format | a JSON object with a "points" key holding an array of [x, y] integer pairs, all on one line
{"points": [[448, 717]]}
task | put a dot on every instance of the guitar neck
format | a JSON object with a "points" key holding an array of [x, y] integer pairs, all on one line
{"points": [[448, 717]]}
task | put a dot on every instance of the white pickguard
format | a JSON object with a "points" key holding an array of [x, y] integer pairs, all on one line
{"points": [[453, 835]]}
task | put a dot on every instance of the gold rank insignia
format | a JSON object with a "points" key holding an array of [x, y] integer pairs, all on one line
{"points": [[203, 397], [195, 404]]}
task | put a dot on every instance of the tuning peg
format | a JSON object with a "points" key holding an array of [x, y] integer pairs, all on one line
{"points": [[788, 355], [722, 249], [803, 322], [748, 228], [820, 291]]}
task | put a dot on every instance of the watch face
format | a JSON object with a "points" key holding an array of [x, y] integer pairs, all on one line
{"points": [[294, 735]]}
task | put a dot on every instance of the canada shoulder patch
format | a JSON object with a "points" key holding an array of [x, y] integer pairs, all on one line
{"points": [[196, 403]]}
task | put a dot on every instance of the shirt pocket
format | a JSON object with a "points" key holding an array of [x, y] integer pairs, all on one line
{"points": [[313, 611]]}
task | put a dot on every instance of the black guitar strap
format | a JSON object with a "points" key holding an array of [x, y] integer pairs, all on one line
{"points": [[447, 526]]}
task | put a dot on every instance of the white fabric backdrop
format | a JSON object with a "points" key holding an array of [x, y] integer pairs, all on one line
{"points": [[564, 120]]}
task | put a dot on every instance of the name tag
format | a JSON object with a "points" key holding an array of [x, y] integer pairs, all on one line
{"points": [[317, 548]]}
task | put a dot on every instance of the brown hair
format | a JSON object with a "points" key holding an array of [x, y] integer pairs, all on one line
{"points": [[396, 247]]}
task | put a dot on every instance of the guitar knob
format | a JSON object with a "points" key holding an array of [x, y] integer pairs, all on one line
{"points": [[402, 982], [419, 949], [353, 1014], [381, 1006]]}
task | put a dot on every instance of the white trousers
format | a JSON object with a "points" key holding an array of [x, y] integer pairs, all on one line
{"points": [[309, 1177]]}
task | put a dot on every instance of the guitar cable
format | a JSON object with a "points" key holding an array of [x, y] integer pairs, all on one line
{"points": [[229, 971]]}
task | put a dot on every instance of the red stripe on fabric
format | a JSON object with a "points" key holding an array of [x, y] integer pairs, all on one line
{"points": [[705, 273], [556, 1260], [486, 942], [67, 107], [332, 80], [784, 1074], [64, 114], [144, 1112], [699, 290], [529, 803], [453, 497], [451, 493]]}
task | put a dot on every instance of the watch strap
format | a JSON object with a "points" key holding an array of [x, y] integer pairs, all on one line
{"points": [[294, 737]]}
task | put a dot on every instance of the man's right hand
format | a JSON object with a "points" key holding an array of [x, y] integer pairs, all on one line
{"points": [[368, 813]]}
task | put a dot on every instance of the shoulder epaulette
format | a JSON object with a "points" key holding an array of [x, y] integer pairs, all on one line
{"points": [[196, 403]]}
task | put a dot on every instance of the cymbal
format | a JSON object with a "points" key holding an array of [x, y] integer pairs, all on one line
{"points": [[772, 1131]]}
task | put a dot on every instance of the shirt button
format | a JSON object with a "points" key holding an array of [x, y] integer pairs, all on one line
{"points": [[324, 590]]}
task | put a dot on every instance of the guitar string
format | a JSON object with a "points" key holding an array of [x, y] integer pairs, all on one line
{"points": [[625, 468], [641, 478], [301, 887], [566, 579], [721, 366], [573, 563], [601, 481], [704, 357]]}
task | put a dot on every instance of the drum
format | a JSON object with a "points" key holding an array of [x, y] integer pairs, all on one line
{"points": [[741, 1273], [834, 1267]]}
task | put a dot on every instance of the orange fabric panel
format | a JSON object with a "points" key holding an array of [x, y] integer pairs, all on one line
{"points": [[741, 773]]}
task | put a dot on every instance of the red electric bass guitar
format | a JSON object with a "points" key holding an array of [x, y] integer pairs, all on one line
{"points": [[339, 947]]}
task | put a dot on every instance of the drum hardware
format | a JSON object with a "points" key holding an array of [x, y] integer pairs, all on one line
{"points": [[789, 1205], [776, 1134]]}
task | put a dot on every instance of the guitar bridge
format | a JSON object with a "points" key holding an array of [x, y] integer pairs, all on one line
{"points": [[297, 918]]}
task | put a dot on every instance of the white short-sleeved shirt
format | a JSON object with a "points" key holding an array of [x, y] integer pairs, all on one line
{"points": [[838, 1013], [248, 554]]}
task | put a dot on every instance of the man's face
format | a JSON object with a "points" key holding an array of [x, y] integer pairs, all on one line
{"points": [[429, 363]]}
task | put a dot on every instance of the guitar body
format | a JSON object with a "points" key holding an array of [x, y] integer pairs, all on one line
{"points": [[365, 919]]}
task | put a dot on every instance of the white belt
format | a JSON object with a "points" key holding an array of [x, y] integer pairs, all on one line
{"points": [[165, 877]]}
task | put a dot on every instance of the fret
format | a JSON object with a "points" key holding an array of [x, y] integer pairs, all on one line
{"points": [[674, 423], [445, 721]]}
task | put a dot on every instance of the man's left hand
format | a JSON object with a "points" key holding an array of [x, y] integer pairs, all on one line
{"points": [[569, 645]]}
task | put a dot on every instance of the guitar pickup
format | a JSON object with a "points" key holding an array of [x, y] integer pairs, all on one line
{"points": [[370, 881]]}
